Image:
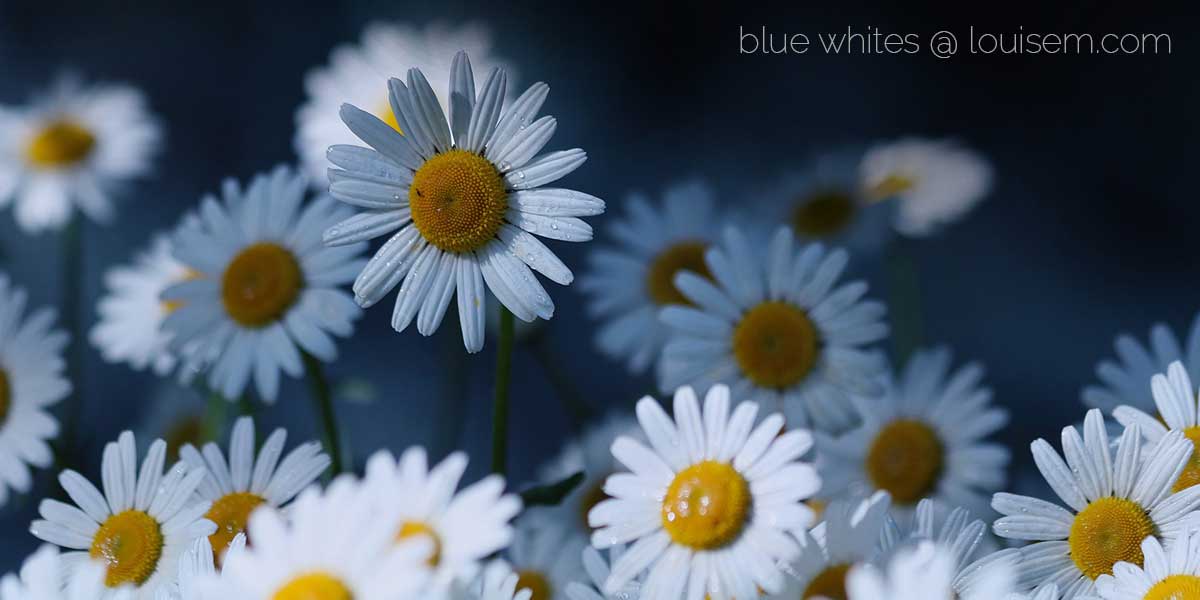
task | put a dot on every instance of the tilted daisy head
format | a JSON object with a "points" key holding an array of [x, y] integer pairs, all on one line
{"points": [[628, 282], [333, 545], [238, 485], [462, 198], [266, 294], [782, 330], [923, 438], [1176, 400], [712, 494], [41, 578], [546, 557], [462, 527], [1113, 504], [138, 527], [31, 381], [598, 568], [851, 534], [1123, 380], [357, 74], [932, 182], [71, 148], [1172, 573], [925, 572]]}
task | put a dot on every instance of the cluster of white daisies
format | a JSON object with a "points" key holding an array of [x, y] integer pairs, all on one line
{"points": [[794, 462]]}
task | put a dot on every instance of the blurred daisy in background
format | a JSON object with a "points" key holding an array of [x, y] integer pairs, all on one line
{"points": [[926, 572], [851, 534], [131, 314], [333, 544], [1172, 573], [781, 332], [237, 486], [41, 578], [546, 559], [197, 568], [826, 202], [1113, 503], [138, 527], [31, 382], [499, 582], [1045, 592], [709, 506], [598, 568], [73, 147], [462, 527], [923, 438], [265, 288], [358, 74], [1176, 400], [932, 182], [178, 415], [628, 283], [1125, 380], [465, 198]]}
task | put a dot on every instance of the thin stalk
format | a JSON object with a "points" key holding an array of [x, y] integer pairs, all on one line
{"points": [[500, 407], [72, 290], [905, 306], [323, 403]]}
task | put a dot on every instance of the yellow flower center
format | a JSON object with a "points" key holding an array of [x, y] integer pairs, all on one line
{"points": [[314, 586], [906, 460], [660, 277], [387, 116], [1191, 473], [5, 396], [823, 214], [1107, 531], [130, 544], [893, 184], [1175, 587], [593, 496], [411, 529], [261, 284], [536, 583], [706, 505], [830, 583], [775, 344], [458, 200], [231, 512], [61, 143]]}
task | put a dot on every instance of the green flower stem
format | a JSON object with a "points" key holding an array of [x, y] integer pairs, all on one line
{"points": [[214, 416], [500, 410], [323, 403], [72, 290], [905, 306]]}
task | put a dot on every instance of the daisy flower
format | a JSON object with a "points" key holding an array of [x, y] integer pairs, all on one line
{"points": [[598, 568], [1123, 381], [710, 505], [499, 582], [464, 197], [238, 486], [925, 572], [1177, 407], [139, 526], [850, 535], [176, 414], [357, 74], [588, 454], [73, 148], [31, 382], [546, 559], [924, 438], [629, 282], [1114, 503], [331, 545], [41, 578], [265, 289], [464, 527], [198, 568], [781, 332], [826, 202], [932, 182], [131, 314], [1168, 574]]}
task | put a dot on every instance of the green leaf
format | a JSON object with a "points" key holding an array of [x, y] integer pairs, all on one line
{"points": [[552, 494]]}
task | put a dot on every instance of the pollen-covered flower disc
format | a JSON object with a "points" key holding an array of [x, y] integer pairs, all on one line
{"points": [[138, 527], [779, 331], [264, 287], [1123, 379], [710, 506], [31, 383], [851, 534], [462, 199], [923, 438], [357, 74], [1176, 399], [628, 282], [1170, 573], [239, 485], [72, 148], [42, 578], [333, 545], [1113, 503]]}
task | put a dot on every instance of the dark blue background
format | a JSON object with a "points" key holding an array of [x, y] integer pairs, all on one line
{"points": [[1089, 230]]}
